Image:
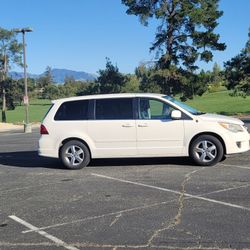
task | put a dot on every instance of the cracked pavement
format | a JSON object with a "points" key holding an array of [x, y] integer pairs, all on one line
{"points": [[163, 203]]}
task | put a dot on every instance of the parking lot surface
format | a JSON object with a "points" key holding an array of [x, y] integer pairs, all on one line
{"points": [[163, 203]]}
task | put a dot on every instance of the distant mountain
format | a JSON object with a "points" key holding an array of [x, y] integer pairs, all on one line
{"points": [[18, 75], [58, 75]]}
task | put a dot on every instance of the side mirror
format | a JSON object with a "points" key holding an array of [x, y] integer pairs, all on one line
{"points": [[176, 114]]}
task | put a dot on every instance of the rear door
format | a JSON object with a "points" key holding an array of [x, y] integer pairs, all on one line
{"points": [[113, 130], [157, 133]]}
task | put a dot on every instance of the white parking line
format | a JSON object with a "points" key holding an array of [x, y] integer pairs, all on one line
{"points": [[130, 209], [235, 166], [43, 233], [224, 190], [103, 215], [173, 191]]}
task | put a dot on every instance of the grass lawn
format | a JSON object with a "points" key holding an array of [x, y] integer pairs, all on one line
{"points": [[221, 103], [218, 102], [37, 110]]}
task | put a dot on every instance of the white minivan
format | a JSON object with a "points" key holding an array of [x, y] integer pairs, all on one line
{"points": [[79, 129]]}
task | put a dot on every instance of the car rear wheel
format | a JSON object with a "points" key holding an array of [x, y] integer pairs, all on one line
{"points": [[206, 150], [75, 155]]}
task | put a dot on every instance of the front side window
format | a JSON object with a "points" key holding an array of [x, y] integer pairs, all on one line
{"points": [[184, 106], [72, 111], [114, 109], [151, 109]]}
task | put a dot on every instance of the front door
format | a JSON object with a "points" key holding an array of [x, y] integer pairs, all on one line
{"points": [[157, 133]]}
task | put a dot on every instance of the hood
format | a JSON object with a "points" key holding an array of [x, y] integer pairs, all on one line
{"points": [[220, 118]]}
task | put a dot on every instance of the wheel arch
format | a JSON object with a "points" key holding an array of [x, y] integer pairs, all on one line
{"points": [[212, 134], [74, 139]]}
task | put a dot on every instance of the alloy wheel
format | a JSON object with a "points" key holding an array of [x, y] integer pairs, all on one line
{"points": [[74, 155], [205, 151]]}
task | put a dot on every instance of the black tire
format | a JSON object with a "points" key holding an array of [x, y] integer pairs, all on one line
{"points": [[224, 157], [75, 155], [206, 150]]}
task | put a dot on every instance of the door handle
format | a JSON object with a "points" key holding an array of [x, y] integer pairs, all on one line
{"points": [[127, 125], [142, 125]]}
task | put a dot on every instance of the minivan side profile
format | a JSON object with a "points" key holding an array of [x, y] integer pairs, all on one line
{"points": [[79, 129]]}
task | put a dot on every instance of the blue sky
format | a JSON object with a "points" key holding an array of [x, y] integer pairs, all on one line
{"points": [[79, 34]]}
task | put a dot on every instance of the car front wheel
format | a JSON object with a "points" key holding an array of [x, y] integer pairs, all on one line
{"points": [[75, 155], [206, 150]]}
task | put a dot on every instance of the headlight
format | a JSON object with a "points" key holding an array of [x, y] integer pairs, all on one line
{"points": [[232, 127]]}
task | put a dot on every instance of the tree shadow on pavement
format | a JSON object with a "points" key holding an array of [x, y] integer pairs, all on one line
{"points": [[31, 159]]}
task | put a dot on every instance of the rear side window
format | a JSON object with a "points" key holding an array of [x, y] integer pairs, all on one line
{"points": [[72, 111], [51, 106], [114, 109]]}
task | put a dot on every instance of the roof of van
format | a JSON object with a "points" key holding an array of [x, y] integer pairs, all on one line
{"points": [[100, 96]]}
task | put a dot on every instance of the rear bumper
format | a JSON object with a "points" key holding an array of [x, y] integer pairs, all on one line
{"points": [[47, 153], [47, 148]]}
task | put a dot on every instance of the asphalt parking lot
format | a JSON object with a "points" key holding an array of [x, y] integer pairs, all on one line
{"points": [[164, 203]]}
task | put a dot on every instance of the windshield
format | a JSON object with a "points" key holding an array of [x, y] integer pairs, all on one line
{"points": [[184, 106]]}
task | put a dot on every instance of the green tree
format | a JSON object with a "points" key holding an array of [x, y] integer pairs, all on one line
{"points": [[185, 33], [145, 74], [69, 80], [170, 80], [237, 71], [18, 89], [110, 79], [216, 79], [89, 88], [204, 78], [194, 84], [186, 30], [44, 82], [132, 84], [51, 92], [10, 53], [46, 79], [216, 74], [10, 87], [70, 87]]}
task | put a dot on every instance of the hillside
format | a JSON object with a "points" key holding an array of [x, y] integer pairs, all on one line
{"points": [[58, 75]]}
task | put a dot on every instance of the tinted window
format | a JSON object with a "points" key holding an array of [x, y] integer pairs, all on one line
{"points": [[154, 109], [75, 110], [184, 106], [48, 111], [114, 109]]}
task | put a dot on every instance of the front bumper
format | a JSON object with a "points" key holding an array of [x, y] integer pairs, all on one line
{"points": [[237, 142]]}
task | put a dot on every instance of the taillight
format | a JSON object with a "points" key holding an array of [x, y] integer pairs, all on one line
{"points": [[43, 130]]}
